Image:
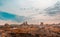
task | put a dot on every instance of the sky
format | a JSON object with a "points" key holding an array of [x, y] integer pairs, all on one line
{"points": [[33, 11]]}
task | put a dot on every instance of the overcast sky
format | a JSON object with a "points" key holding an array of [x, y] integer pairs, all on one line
{"points": [[35, 10]]}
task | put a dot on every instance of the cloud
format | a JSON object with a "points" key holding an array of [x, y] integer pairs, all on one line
{"points": [[14, 6], [53, 10]]}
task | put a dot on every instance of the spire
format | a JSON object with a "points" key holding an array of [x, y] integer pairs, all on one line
{"points": [[25, 23]]}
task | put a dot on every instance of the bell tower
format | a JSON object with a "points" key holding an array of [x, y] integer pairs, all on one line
{"points": [[41, 24]]}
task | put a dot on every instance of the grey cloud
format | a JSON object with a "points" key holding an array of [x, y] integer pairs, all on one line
{"points": [[54, 9]]}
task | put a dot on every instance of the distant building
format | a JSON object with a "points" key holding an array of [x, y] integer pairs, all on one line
{"points": [[41, 24], [25, 23], [6, 25]]}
